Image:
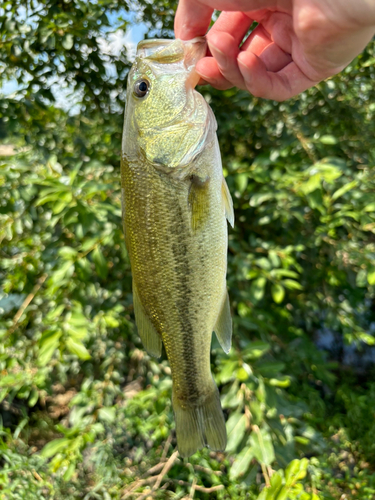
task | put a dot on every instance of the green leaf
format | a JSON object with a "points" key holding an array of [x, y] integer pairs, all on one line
{"points": [[274, 258], [89, 244], [67, 253], [371, 276], [77, 333], [310, 185], [344, 189], [259, 198], [295, 471], [69, 471], [236, 428], [101, 265], [64, 271], [111, 321], [241, 463], [328, 171], [45, 199], [366, 338], [48, 344], [280, 381], [261, 444], [361, 278], [369, 62], [33, 398], [107, 414], [278, 293], [243, 372], [76, 347], [228, 371], [282, 273], [269, 368], [271, 493], [53, 447], [59, 206], [257, 289], [241, 182], [264, 263], [68, 41], [328, 139], [256, 349], [292, 285]]}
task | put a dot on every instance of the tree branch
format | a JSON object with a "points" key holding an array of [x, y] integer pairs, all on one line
{"points": [[26, 302]]}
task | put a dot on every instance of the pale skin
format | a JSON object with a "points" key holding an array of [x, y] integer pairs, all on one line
{"points": [[296, 44]]}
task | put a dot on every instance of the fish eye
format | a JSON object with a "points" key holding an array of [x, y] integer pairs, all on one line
{"points": [[141, 87]]}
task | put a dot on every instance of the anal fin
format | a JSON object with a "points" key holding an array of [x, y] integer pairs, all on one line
{"points": [[150, 338], [228, 203], [223, 326]]}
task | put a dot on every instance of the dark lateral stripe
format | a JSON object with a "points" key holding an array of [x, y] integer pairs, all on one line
{"points": [[184, 293]]}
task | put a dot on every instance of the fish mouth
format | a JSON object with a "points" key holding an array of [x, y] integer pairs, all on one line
{"points": [[153, 44], [158, 42], [169, 51]]}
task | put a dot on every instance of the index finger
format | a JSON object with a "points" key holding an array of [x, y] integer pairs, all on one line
{"points": [[193, 16], [192, 19]]}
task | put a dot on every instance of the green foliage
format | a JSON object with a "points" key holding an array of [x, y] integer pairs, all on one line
{"points": [[85, 413]]}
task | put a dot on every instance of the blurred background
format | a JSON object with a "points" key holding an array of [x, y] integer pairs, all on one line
{"points": [[85, 413]]}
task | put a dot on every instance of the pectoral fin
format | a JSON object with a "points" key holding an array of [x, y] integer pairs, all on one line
{"points": [[150, 338], [228, 203], [199, 201], [223, 327]]}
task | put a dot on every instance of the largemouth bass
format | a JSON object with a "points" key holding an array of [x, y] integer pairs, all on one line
{"points": [[175, 205]]}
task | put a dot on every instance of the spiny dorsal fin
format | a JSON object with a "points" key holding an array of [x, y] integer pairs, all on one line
{"points": [[150, 338], [223, 326], [228, 203]]}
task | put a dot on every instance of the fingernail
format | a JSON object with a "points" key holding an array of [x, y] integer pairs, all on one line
{"points": [[245, 70], [203, 77], [217, 53]]}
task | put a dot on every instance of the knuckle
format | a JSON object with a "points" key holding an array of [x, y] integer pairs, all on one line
{"points": [[258, 92], [310, 26]]}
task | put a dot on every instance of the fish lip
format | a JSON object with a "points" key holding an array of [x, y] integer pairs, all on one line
{"points": [[148, 44]]}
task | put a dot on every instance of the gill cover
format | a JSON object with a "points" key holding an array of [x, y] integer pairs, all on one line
{"points": [[172, 122]]}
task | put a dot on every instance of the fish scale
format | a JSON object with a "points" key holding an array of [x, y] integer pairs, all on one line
{"points": [[174, 216]]}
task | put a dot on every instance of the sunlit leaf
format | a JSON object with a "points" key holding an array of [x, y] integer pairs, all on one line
{"points": [[236, 428], [100, 262], [278, 293], [261, 445], [241, 463], [53, 447], [76, 347]]}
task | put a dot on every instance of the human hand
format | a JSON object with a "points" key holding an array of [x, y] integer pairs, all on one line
{"points": [[296, 44]]}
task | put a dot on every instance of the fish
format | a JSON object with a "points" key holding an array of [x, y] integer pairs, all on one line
{"points": [[176, 204]]}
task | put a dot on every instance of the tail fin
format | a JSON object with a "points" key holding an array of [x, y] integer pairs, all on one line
{"points": [[199, 426]]}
